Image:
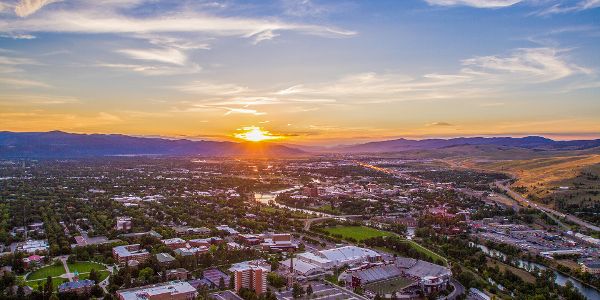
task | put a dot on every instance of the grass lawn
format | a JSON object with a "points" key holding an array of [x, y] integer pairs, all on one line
{"points": [[103, 275], [44, 272], [359, 233], [389, 286], [526, 276], [85, 266], [55, 283]]}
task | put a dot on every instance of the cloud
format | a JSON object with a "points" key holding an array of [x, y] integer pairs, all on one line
{"points": [[443, 124], [89, 21], [154, 70], [533, 64], [560, 8], [28, 7], [303, 8], [475, 3], [19, 83], [211, 88], [18, 36], [231, 110], [478, 76], [170, 56]]}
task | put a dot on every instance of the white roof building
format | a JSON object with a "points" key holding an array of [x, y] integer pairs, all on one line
{"points": [[168, 290], [349, 255]]}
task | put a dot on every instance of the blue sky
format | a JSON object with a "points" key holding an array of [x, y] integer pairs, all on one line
{"points": [[313, 71]]}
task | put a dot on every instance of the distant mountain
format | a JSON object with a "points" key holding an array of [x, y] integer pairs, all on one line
{"points": [[58, 144], [530, 142]]}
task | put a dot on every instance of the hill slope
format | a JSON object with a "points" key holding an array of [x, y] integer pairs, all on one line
{"points": [[57, 144]]}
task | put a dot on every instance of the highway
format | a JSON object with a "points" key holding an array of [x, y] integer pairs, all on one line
{"points": [[525, 202]]}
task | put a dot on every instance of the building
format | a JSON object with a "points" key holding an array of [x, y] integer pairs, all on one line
{"points": [[310, 191], [32, 246], [591, 266], [251, 277], [165, 259], [123, 224], [127, 253], [364, 276], [174, 290], [302, 268], [33, 260], [316, 260], [175, 243], [177, 274], [349, 255], [431, 277], [250, 239], [279, 242], [191, 251], [215, 276], [77, 286], [227, 229]]}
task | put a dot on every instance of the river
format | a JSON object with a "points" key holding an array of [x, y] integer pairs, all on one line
{"points": [[561, 279], [267, 197]]}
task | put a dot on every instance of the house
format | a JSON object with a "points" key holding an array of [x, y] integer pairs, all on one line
{"points": [[33, 260]]}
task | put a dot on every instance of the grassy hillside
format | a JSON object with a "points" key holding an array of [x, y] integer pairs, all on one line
{"points": [[570, 184]]}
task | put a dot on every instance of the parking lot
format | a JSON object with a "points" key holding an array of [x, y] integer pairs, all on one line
{"points": [[323, 291]]}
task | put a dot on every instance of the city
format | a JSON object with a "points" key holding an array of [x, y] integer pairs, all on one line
{"points": [[299, 149]]}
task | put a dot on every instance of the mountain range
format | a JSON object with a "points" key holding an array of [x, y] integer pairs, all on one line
{"points": [[58, 144]]}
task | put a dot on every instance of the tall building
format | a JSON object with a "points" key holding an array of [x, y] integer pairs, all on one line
{"points": [[251, 277]]}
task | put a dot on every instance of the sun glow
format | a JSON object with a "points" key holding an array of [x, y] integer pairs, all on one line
{"points": [[255, 134]]}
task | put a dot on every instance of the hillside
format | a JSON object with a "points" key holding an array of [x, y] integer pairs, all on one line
{"points": [[57, 144], [530, 142]]}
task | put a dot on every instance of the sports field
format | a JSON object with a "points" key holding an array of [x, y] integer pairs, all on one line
{"points": [[389, 286], [359, 233]]}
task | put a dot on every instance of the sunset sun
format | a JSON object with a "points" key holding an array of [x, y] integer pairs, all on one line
{"points": [[255, 134]]}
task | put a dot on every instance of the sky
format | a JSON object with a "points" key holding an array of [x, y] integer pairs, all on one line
{"points": [[305, 71]]}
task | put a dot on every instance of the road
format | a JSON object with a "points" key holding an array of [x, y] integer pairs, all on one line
{"points": [[459, 289], [308, 222], [525, 202]]}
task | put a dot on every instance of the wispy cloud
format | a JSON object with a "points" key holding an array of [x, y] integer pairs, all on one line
{"points": [[171, 56], [89, 21], [567, 8], [478, 76], [475, 3], [27, 7], [443, 124], [154, 70], [20, 83]]}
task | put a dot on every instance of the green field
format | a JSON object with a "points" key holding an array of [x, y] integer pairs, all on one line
{"points": [[42, 273], [389, 286], [359, 233], [55, 283], [39, 276], [85, 266]]}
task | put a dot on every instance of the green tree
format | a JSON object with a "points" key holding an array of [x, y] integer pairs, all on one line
{"points": [[97, 291], [309, 290], [145, 274], [94, 275], [297, 291]]}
